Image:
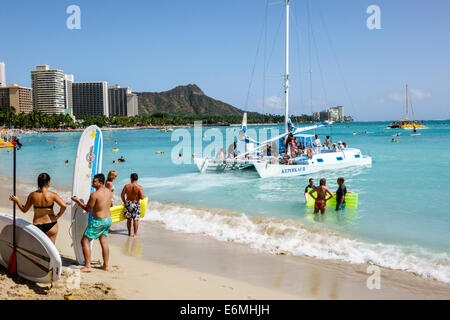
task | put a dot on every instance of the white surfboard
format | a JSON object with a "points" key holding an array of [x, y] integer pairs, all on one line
{"points": [[88, 163], [37, 258]]}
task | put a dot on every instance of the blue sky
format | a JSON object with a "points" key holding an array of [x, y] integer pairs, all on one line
{"points": [[156, 45]]}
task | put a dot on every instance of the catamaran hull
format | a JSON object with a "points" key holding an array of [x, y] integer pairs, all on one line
{"points": [[267, 170], [219, 165]]}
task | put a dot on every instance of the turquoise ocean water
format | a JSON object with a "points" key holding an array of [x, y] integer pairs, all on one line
{"points": [[402, 222]]}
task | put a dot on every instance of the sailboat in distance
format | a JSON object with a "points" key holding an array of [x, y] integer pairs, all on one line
{"points": [[407, 124]]}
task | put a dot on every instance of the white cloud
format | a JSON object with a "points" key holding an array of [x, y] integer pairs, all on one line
{"points": [[419, 94], [416, 94], [274, 102], [397, 97]]}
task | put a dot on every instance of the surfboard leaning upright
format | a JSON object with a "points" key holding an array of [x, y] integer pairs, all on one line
{"points": [[88, 163]]}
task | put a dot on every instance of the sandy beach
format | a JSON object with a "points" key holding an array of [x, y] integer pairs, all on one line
{"points": [[168, 265]]}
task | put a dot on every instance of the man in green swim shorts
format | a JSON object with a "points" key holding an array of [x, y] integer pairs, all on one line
{"points": [[98, 228]]}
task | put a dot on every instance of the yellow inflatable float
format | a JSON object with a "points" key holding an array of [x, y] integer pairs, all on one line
{"points": [[117, 211], [351, 200]]}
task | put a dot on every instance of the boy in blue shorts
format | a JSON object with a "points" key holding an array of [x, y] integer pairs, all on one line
{"points": [[98, 228]]}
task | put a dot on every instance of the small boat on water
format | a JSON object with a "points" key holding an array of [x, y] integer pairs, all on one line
{"points": [[165, 129], [407, 124]]}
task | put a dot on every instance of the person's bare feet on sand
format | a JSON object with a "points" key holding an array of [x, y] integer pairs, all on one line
{"points": [[104, 268], [86, 269], [135, 236]]}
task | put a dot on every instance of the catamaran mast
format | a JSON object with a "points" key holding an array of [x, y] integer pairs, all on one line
{"points": [[286, 76], [407, 102]]}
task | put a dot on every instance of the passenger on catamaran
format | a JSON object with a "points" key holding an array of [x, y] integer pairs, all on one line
{"points": [[317, 144], [334, 147], [285, 160], [268, 150], [345, 145], [231, 151], [302, 147], [327, 142], [220, 154], [293, 149]]}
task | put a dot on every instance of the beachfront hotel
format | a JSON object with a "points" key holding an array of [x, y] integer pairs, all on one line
{"points": [[90, 98], [17, 97], [335, 114], [68, 82], [122, 102], [48, 90], [2, 75]]}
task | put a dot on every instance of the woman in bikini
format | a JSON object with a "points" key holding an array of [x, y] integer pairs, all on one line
{"points": [[43, 201], [321, 198]]}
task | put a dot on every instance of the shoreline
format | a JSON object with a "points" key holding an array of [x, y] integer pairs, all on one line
{"points": [[177, 262], [52, 130]]}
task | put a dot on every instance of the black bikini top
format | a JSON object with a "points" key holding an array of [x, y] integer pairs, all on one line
{"points": [[49, 207]]}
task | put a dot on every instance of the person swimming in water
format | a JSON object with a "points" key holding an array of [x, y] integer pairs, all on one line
{"points": [[321, 199]]}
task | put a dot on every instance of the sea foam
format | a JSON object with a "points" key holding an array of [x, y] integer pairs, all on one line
{"points": [[284, 236]]}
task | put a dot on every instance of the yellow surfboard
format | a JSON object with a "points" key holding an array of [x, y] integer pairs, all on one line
{"points": [[117, 211], [351, 200]]}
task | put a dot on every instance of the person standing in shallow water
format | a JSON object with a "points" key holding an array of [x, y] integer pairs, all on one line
{"points": [[309, 187], [132, 193], [43, 201], [321, 199], [340, 194], [98, 228]]}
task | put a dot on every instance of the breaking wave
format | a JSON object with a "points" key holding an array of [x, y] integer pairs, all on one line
{"points": [[285, 236]]}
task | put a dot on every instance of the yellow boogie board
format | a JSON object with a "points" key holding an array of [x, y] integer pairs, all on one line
{"points": [[117, 211], [351, 200]]}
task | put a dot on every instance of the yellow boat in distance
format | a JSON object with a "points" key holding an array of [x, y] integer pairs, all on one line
{"points": [[407, 124]]}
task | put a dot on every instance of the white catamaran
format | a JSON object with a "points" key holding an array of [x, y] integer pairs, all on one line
{"points": [[280, 161]]}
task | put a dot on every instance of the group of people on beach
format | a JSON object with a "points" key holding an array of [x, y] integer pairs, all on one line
{"points": [[322, 194], [100, 202]]}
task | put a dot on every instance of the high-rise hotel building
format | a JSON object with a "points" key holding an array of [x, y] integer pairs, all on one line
{"points": [[17, 97], [90, 98], [48, 90], [122, 102], [68, 81], [2, 75]]}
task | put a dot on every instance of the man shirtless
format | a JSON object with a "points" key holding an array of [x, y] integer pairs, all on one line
{"points": [[133, 193], [98, 228], [321, 199]]}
